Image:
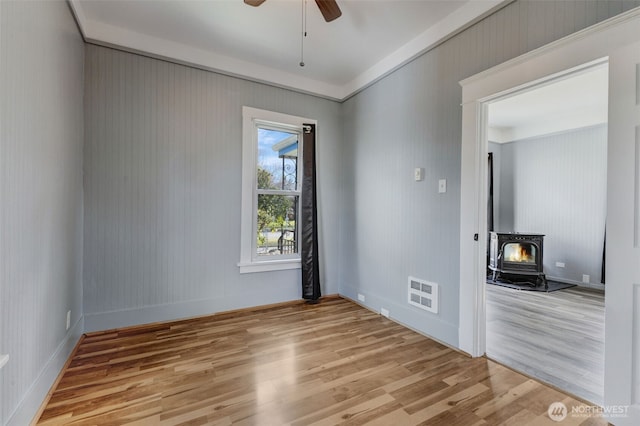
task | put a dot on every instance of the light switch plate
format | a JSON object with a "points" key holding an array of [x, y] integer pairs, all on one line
{"points": [[418, 174], [442, 186]]}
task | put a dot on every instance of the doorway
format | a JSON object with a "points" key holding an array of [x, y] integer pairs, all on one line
{"points": [[616, 42], [548, 146]]}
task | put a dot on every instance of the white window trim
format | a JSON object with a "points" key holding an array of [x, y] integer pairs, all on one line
{"points": [[251, 117]]}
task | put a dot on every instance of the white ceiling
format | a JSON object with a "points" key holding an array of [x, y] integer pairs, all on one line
{"points": [[569, 103], [370, 39]]}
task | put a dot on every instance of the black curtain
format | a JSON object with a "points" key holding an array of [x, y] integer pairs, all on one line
{"points": [[489, 203], [309, 217], [490, 195], [604, 257]]}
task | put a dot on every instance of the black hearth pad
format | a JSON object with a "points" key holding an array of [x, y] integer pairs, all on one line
{"points": [[553, 285]]}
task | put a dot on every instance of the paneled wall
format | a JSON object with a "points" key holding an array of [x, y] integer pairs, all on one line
{"points": [[153, 233], [41, 86], [162, 161], [395, 227], [557, 185]]}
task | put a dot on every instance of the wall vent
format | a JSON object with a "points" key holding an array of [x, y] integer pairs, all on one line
{"points": [[423, 294]]}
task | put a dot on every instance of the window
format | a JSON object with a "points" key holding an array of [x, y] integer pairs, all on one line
{"points": [[271, 189]]}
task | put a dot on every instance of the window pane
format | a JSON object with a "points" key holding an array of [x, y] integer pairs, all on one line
{"points": [[277, 224], [277, 159]]}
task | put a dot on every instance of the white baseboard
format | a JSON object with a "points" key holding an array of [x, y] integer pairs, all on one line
{"points": [[175, 311], [30, 404], [425, 323]]}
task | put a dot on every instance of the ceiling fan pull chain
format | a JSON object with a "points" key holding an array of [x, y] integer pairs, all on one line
{"points": [[304, 31]]}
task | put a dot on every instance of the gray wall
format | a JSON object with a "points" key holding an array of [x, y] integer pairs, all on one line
{"points": [[41, 86], [395, 227], [162, 152], [558, 187], [162, 161]]}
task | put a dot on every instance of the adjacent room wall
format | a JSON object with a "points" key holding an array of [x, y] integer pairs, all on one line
{"points": [[162, 159], [395, 227], [41, 89], [558, 187]]}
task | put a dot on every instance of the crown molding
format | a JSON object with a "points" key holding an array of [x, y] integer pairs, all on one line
{"points": [[548, 48], [454, 23], [110, 36]]}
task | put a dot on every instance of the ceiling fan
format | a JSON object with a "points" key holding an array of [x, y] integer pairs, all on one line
{"points": [[328, 8]]}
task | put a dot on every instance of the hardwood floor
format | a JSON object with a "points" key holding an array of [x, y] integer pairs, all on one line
{"points": [[557, 337], [331, 363]]}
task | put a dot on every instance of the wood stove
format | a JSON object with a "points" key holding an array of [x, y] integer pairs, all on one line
{"points": [[516, 254]]}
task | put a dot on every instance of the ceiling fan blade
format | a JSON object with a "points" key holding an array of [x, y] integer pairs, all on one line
{"points": [[329, 9], [254, 3]]}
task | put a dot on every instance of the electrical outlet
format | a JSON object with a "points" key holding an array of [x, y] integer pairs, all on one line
{"points": [[560, 264], [585, 278], [361, 297], [68, 319], [384, 312]]}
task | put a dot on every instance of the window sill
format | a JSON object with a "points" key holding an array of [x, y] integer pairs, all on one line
{"points": [[268, 265]]}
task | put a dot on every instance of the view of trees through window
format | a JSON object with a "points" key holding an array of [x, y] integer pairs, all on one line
{"points": [[277, 192]]}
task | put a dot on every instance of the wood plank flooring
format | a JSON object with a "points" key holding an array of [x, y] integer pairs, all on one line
{"points": [[325, 364], [557, 337]]}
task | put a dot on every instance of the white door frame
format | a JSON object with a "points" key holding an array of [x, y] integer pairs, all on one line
{"points": [[556, 60], [482, 118]]}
